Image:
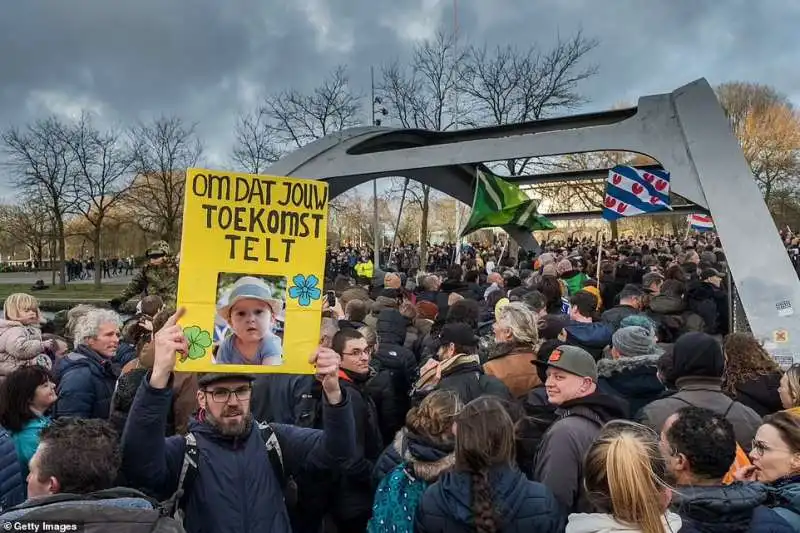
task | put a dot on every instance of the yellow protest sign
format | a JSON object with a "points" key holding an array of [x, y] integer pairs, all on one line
{"points": [[251, 271]]}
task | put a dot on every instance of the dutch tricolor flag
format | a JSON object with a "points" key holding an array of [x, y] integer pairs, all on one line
{"points": [[701, 222]]}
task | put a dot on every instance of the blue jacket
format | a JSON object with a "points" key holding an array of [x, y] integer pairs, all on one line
{"points": [[786, 499], [236, 489], [736, 508], [520, 505], [27, 440], [86, 383], [12, 487]]}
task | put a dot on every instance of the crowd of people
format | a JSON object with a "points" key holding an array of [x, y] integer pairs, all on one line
{"points": [[78, 269], [495, 394]]}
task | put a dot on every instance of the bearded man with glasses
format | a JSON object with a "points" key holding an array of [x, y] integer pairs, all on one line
{"points": [[237, 484]]}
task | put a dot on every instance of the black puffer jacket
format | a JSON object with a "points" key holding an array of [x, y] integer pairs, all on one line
{"points": [[634, 379], [736, 508], [427, 459], [761, 393], [519, 505], [469, 382]]}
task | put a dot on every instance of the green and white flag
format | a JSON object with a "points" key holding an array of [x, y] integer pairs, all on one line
{"points": [[500, 203]]}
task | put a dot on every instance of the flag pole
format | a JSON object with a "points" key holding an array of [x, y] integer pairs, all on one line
{"points": [[599, 257]]}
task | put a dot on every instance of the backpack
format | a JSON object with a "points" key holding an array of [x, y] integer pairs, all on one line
{"points": [[396, 501], [174, 506]]}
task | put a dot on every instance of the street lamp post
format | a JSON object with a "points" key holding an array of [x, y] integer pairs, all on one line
{"points": [[375, 220]]}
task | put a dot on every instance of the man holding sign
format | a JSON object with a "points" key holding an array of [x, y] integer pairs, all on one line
{"points": [[235, 485]]}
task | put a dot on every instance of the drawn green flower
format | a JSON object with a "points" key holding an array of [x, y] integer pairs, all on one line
{"points": [[199, 340]]}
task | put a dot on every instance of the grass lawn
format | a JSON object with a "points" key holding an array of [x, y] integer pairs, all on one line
{"points": [[81, 291]]}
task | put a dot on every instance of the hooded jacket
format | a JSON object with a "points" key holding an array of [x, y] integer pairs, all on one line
{"points": [[736, 508], [634, 379], [605, 523], [559, 464], [786, 500], [704, 392], [591, 336], [428, 459], [86, 382], [119, 509], [520, 505], [513, 365], [235, 489], [19, 345]]}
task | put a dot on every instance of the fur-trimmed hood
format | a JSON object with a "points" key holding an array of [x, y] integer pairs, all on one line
{"points": [[608, 367], [427, 459]]}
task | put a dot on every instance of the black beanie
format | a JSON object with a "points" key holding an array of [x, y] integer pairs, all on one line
{"points": [[698, 354]]}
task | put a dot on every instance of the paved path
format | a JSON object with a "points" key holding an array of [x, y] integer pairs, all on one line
{"points": [[28, 278]]}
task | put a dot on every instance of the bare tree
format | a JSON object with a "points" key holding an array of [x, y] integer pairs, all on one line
{"points": [[425, 94], [162, 151], [256, 142], [102, 176], [507, 85], [44, 167], [26, 223], [297, 118], [768, 129]]}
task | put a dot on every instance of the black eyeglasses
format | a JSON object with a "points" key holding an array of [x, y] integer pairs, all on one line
{"points": [[223, 395]]}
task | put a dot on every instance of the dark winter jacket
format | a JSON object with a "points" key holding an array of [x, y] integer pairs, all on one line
{"points": [[703, 392], [614, 316], [86, 382], [592, 337], [672, 318], [427, 459], [469, 382], [786, 500], [352, 491], [126, 353], [519, 505], [12, 484], [711, 304], [559, 464], [634, 379], [279, 397], [395, 370], [236, 488], [119, 509], [760, 394], [737, 508], [540, 414]]}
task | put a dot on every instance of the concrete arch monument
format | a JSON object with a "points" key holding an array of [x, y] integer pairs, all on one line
{"points": [[686, 131]]}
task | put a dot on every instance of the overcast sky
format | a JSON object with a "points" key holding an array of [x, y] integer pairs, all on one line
{"points": [[206, 60]]}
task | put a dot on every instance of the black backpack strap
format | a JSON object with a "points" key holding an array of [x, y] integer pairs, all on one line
{"points": [[191, 458], [273, 451]]}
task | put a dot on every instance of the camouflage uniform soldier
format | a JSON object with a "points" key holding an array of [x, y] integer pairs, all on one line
{"points": [[158, 277]]}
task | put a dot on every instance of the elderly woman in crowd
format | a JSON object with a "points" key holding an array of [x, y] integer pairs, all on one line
{"points": [[87, 376]]}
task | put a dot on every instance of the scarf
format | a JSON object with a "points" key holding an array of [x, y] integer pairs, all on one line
{"points": [[432, 376]]}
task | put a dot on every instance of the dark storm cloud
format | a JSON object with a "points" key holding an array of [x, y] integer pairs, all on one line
{"points": [[207, 59]]}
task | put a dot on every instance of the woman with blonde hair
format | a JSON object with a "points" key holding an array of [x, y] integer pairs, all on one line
{"points": [[789, 390], [21, 341], [516, 337], [752, 376], [486, 492], [624, 477]]}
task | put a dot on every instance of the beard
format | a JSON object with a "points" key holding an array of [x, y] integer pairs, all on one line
{"points": [[231, 428]]}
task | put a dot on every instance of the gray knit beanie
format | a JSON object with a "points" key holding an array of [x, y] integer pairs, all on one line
{"points": [[632, 341]]}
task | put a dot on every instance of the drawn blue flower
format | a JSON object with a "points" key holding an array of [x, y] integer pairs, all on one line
{"points": [[305, 289]]}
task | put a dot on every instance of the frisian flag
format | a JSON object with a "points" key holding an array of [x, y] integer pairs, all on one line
{"points": [[701, 222], [631, 191]]}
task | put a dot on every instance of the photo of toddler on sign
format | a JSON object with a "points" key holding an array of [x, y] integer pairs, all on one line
{"points": [[249, 312]]}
